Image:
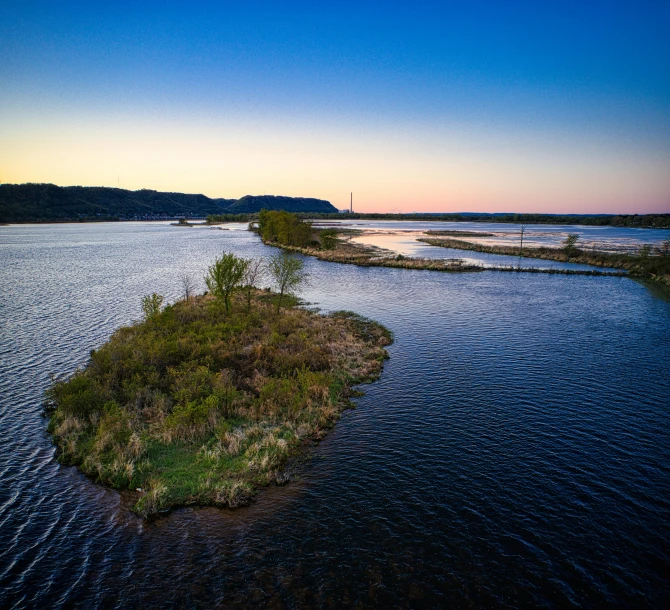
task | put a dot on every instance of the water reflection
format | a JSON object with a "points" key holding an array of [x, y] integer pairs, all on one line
{"points": [[404, 242], [398, 235]]}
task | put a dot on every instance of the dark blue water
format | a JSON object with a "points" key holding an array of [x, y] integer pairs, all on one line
{"points": [[516, 450]]}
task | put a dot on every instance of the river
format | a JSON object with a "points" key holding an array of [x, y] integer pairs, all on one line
{"points": [[516, 450]]}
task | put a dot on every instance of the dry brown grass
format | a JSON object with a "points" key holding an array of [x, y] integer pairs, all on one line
{"points": [[197, 406], [656, 268], [348, 253]]}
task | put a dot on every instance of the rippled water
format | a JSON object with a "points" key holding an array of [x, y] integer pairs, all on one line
{"points": [[516, 449]]}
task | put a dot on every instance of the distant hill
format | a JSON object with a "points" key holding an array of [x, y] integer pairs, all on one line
{"points": [[51, 203], [255, 203]]}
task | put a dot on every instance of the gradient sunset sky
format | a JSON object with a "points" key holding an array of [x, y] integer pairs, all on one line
{"points": [[455, 106]]}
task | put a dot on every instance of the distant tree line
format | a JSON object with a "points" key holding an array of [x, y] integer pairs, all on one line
{"points": [[656, 221], [217, 218], [644, 221], [50, 203]]}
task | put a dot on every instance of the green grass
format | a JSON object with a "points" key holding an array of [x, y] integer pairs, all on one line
{"points": [[200, 406]]}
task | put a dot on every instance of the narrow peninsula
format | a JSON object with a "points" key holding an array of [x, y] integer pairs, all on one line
{"points": [[645, 264], [290, 232]]}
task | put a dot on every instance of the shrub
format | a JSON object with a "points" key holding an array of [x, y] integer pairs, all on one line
{"points": [[225, 275], [151, 305], [114, 427], [570, 243], [287, 273], [328, 239], [193, 414], [79, 396]]}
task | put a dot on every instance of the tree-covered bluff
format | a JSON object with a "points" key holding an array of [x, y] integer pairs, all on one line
{"points": [[207, 399], [51, 203], [256, 203]]}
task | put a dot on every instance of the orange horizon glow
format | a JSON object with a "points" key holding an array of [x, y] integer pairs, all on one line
{"points": [[452, 108], [387, 171]]}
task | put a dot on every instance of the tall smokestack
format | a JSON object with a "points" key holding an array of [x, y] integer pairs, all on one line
{"points": [[351, 204]]}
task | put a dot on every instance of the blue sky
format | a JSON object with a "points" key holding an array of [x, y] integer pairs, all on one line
{"points": [[436, 106]]}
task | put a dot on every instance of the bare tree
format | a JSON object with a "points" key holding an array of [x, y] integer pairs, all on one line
{"points": [[187, 285], [252, 276], [644, 251]]}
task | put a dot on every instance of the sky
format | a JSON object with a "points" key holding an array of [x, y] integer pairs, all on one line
{"points": [[554, 107]]}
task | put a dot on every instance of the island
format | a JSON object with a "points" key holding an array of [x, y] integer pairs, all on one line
{"points": [[207, 400]]}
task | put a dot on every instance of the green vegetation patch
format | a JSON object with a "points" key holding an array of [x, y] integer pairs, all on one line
{"points": [[207, 399]]}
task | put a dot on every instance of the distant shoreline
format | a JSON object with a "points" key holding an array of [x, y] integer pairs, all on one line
{"points": [[558, 220]]}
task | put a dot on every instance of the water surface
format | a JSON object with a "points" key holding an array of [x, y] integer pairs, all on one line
{"points": [[400, 235], [515, 451]]}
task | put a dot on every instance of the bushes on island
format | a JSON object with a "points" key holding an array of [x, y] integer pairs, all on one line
{"points": [[287, 229], [284, 228], [202, 402]]}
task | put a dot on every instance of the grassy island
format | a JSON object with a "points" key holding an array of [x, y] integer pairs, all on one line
{"points": [[646, 264], [206, 400]]}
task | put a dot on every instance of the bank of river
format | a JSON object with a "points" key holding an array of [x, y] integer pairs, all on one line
{"points": [[651, 266], [347, 252], [616, 239], [512, 453]]}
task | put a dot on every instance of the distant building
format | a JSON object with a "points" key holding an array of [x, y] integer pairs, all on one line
{"points": [[343, 211]]}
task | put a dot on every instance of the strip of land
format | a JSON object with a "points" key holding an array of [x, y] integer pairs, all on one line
{"points": [[289, 232], [656, 268]]}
